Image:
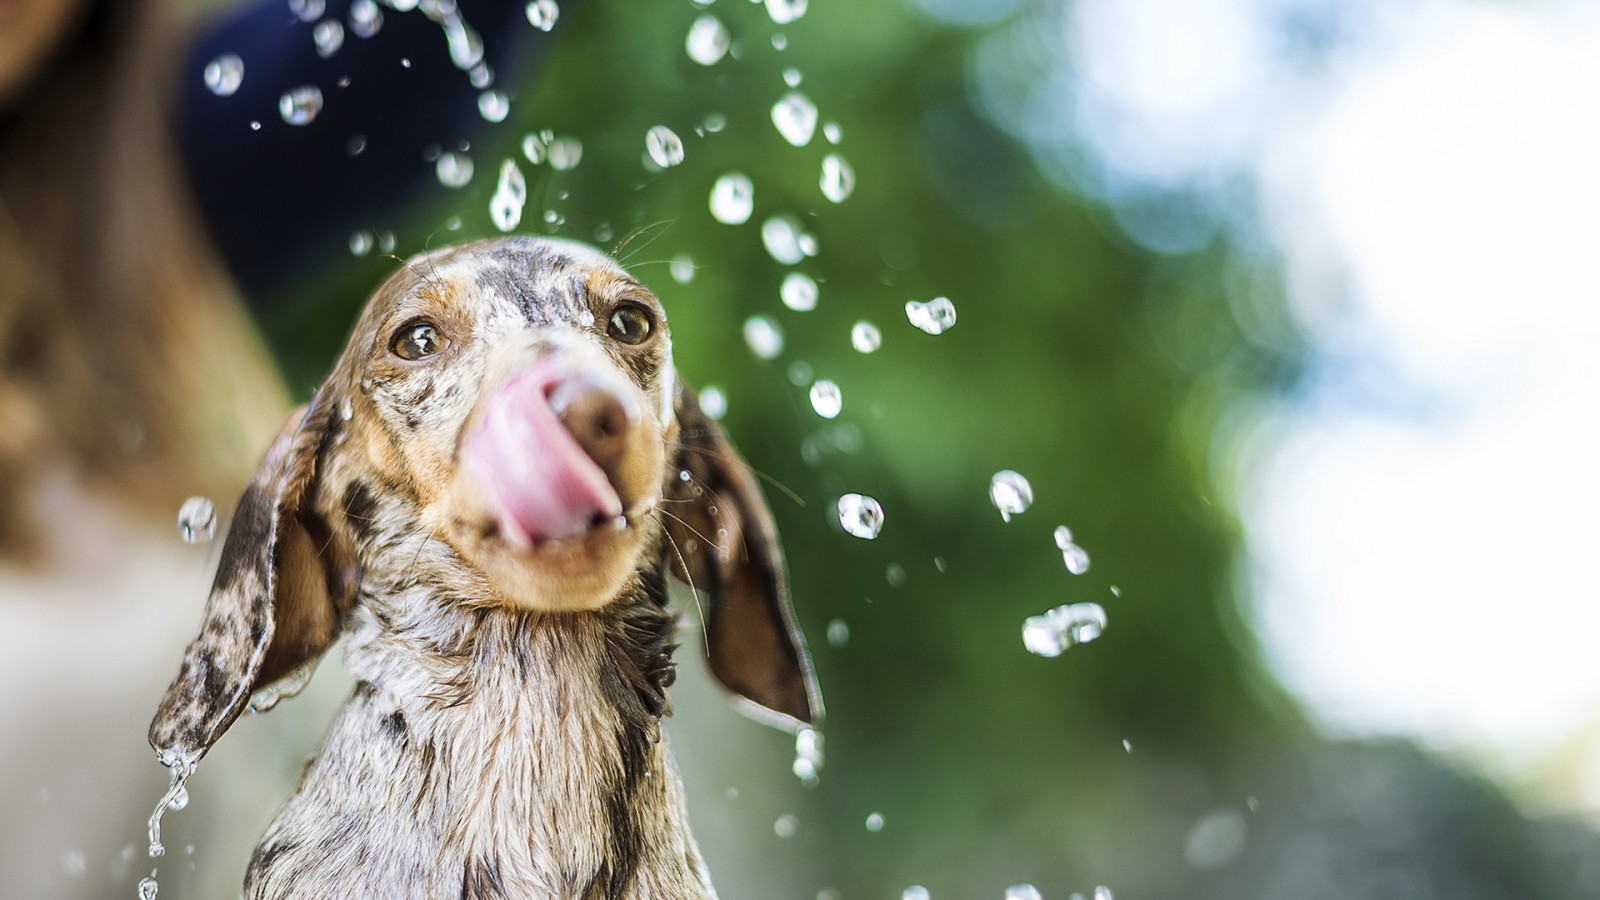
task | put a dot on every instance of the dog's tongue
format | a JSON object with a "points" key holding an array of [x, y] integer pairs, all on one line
{"points": [[541, 485]]}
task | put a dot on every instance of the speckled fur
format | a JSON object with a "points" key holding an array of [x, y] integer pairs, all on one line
{"points": [[504, 737]]}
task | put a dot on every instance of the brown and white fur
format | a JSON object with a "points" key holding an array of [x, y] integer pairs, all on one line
{"points": [[504, 736]]}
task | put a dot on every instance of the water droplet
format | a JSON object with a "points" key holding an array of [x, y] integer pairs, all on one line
{"points": [[681, 268], [533, 147], [934, 317], [1022, 892], [365, 18], [838, 633], [780, 42], [875, 822], [713, 402], [301, 105], [565, 153], [454, 169], [895, 574], [197, 520], [510, 193], [386, 241], [1101, 892], [466, 48], [224, 74], [180, 799], [733, 198], [356, 146], [1075, 558], [826, 398], [795, 117], [664, 146], [785, 11], [785, 826], [542, 14], [800, 373], [494, 106], [792, 77], [307, 10], [808, 756], [798, 292], [1127, 746], [838, 179], [1010, 493], [832, 133], [714, 122], [915, 892], [1053, 632], [764, 336], [786, 239], [328, 36], [148, 888], [860, 515], [708, 40], [865, 337]]}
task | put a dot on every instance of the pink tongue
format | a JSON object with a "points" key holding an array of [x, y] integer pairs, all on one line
{"points": [[541, 485]]}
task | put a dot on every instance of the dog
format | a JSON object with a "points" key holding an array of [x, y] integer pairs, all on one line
{"points": [[487, 494]]}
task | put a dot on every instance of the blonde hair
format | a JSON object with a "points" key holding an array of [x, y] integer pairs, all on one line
{"points": [[124, 353]]}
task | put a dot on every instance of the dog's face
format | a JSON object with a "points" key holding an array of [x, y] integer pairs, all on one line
{"points": [[525, 388], [513, 402]]}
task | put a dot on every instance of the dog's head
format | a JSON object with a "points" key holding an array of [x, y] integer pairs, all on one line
{"points": [[513, 401]]}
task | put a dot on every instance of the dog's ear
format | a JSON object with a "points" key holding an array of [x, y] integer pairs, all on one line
{"points": [[279, 598], [725, 546]]}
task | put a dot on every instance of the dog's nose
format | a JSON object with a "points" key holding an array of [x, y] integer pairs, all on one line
{"points": [[600, 419]]}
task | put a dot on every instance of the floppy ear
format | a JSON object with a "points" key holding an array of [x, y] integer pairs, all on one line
{"points": [[281, 591], [726, 548]]}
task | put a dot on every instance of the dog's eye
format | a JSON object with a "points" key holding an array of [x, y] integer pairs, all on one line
{"points": [[630, 324], [417, 341]]}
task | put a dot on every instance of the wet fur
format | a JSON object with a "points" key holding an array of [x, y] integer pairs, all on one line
{"points": [[498, 744]]}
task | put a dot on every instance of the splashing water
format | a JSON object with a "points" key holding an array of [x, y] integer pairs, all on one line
{"points": [[707, 41], [565, 153], [466, 48], [681, 268], [1010, 493], [733, 199], [510, 193], [865, 337], [224, 74], [838, 179], [307, 10], [915, 892], [664, 146], [1075, 558], [542, 14], [197, 520], [301, 105], [826, 398], [764, 336], [494, 106], [860, 515], [328, 37], [838, 633], [934, 317], [1053, 632], [365, 18], [176, 797], [786, 239], [795, 117], [808, 756], [454, 169], [1023, 892], [798, 292], [785, 11]]}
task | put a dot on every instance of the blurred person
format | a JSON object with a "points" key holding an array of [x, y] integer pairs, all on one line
{"points": [[131, 215]]}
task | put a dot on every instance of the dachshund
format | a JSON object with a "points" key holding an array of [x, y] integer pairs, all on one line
{"points": [[487, 495]]}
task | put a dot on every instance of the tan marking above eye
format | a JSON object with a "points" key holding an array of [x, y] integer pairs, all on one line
{"points": [[417, 340], [630, 323]]}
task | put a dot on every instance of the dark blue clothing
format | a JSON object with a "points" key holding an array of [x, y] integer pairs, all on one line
{"points": [[280, 199]]}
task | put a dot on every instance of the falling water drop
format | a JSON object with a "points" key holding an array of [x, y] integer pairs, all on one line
{"points": [[307, 10], [365, 18], [301, 105], [915, 892], [224, 74], [1022, 892], [785, 11], [786, 825], [565, 153], [713, 402], [181, 768], [542, 14], [328, 36], [494, 106], [826, 398], [874, 822], [733, 199], [1054, 631], [832, 132], [798, 292], [708, 40], [510, 193], [664, 146], [681, 268], [934, 317], [534, 147], [865, 337], [792, 77], [838, 179], [197, 520], [808, 756], [148, 888], [1010, 493], [764, 336], [838, 633], [1074, 557], [860, 515], [795, 117], [454, 169], [361, 243], [786, 239]]}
